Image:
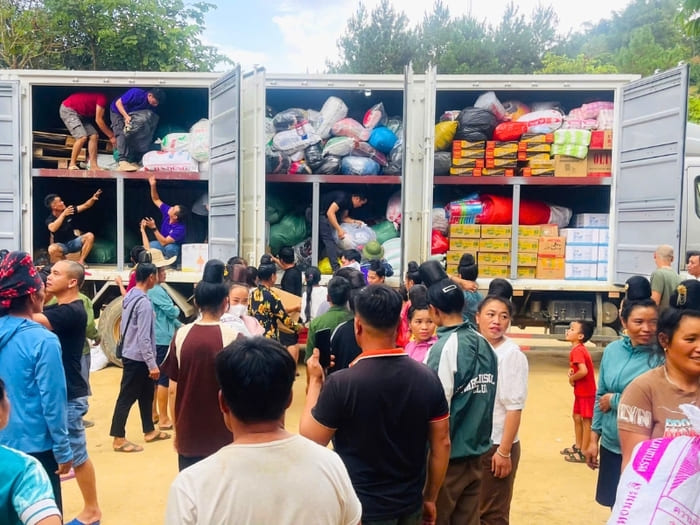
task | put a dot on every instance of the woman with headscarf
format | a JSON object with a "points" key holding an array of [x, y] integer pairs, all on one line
{"points": [[38, 425]]}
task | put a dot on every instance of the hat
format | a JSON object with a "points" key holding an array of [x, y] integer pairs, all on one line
{"points": [[373, 250], [18, 277], [686, 296], [159, 260]]}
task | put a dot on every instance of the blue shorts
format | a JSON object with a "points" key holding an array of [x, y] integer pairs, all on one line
{"points": [[72, 246], [77, 408]]}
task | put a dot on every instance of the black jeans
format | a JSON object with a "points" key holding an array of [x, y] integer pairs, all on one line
{"points": [[325, 234], [48, 461], [136, 385]]}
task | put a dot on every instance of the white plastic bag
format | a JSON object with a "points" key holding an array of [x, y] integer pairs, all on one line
{"points": [[440, 220], [356, 235], [490, 101], [175, 142], [392, 253], [169, 161], [98, 359], [544, 121], [199, 141], [296, 139], [332, 111]]}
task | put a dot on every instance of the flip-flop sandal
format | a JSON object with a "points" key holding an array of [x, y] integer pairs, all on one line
{"points": [[568, 451], [575, 458], [72, 168], [165, 427], [161, 436], [128, 447]]}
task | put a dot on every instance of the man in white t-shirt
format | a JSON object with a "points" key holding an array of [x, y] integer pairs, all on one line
{"points": [[255, 479]]}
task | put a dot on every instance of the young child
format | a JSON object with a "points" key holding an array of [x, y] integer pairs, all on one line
{"points": [[422, 331], [582, 378], [469, 271]]}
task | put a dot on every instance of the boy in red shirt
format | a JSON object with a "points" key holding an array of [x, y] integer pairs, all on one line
{"points": [[582, 378]]}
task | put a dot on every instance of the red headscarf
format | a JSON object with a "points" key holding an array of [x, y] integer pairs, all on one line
{"points": [[18, 277]]}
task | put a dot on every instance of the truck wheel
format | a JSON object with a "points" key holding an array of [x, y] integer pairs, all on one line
{"points": [[108, 327]]}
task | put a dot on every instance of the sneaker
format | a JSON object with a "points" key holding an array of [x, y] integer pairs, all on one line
{"points": [[88, 424], [127, 166]]}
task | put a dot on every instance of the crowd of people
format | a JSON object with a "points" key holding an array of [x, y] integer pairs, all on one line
{"points": [[422, 396]]}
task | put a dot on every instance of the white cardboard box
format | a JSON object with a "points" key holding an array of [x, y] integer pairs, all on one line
{"points": [[587, 253], [581, 271], [591, 220], [603, 253], [604, 236], [580, 235], [602, 272], [194, 257]]}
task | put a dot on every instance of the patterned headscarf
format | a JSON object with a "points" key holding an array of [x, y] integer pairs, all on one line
{"points": [[18, 277]]}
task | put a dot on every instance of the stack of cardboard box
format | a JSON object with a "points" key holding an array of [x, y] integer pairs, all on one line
{"points": [[534, 155], [490, 244], [467, 157], [501, 158], [587, 248], [597, 162]]}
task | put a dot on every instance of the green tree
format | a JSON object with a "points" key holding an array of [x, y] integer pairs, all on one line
{"points": [[128, 35], [644, 54], [26, 36], [376, 42], [580, 64]]}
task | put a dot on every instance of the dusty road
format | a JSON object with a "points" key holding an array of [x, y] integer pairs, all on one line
{"points": [[133, 487]]}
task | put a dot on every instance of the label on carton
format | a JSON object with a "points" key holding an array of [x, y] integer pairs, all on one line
{"points": [[552, 246]]}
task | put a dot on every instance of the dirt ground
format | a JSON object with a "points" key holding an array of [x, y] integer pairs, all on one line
{"points": [[133, 488]]}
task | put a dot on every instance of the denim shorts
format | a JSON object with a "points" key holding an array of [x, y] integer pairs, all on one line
{"points": [[72, 246], [77, 408]]}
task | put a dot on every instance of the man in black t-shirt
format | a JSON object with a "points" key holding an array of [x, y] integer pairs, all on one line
{"points": [[68, 320], [291, 282], [381, 413], [335, 209], [60, 224]]}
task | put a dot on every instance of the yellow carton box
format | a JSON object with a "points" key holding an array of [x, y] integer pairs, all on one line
{"points": [[494, 245], [465, 231], [493, 259], [464, 245], [528, 245], [552, 246], [527, 259], [526, 272], [550, 268], [529, 231], [496, 231], [491, 272], [453, 257]]}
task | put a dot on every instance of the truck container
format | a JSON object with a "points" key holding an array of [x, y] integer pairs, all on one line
{"points": [[649, 195]]}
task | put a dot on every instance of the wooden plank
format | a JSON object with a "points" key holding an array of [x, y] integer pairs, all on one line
{"points": [[49, 153], [54, 147], [103, 145], [58, 138]]}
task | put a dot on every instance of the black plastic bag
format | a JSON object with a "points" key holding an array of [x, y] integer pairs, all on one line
{"points": [[276, 161], [139, 134], [475, 124], [314, 156], [288, 118], [395, 160], [442, 162], [329, 166]]}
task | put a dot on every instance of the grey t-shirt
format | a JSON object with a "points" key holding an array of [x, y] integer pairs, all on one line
{"points": [[664, 281]]}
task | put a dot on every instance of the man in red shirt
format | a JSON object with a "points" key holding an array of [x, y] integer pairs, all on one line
{"points": [[78, 112]]}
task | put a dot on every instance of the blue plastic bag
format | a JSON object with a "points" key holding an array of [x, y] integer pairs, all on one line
{"points": [[382, 139]]}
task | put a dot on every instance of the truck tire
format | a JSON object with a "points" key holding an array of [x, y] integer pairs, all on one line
{"points": [[108, 327]]}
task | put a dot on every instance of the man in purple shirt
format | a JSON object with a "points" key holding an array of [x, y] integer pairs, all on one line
{"points": [[133, 100], [172, 228]]}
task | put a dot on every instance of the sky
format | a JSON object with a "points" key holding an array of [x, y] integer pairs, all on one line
{"points": [[299, 36]]}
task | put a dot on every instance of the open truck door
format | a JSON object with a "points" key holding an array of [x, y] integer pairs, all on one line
{"points": [[10, 181], [650, 156], [224, 114]]}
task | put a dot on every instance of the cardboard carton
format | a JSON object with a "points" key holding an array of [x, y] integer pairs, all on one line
{"points": [[601, 139], [570, 167], [453, 257], [591, 220], [496, 231], [527, 260], [465, 231], [549, 230], [580, 235], [529, 231], [494, 245], [528, 245], [194, 257], [599, 163], [527, 273], [550, 268], [493, 259], [491, 272], [581, 271], [552, 247], [581, 253], [464, 245]]}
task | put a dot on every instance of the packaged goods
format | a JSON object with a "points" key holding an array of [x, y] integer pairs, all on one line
{"points": [[578, 137], [276, 207], [393, 209], [299, 167], [603, 253], [356, 235], [529, 231], [528, 245], [552, 247], [591, 220], [549, 230], [453, 257], [537, 172], [333, 110], [468, 154], [448, 115], [288, 119], [499, 163], [339, 146], [570, 167], [582, 253], [601, 139], [537, 138], [439, 220], [169, 161], [466, 231], [382, 139], [290, 230], [515, 109], [475, 124], [375, 116], [442, 162], [466, 172], [395, 159], [550, 268], [494, 245], [355, 165], [438, 243], [444, 134], [314, 156], [465, 162], [329, 166], [599, 164], [348, 127], [175, 142], [296, 139], [199, 140], [493, 258], [606, 119], [364, 149], [602, 273], [581, 271], [509, 130], [496, 231], [490, 102], [575, 123], [276, 161], [544, 121], [570, 150], [384, 231], [392, 252], [460, 145], [580, 235], [464, 245]]}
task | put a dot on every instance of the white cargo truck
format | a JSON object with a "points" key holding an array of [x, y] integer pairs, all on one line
{"points": [[651, 194]]}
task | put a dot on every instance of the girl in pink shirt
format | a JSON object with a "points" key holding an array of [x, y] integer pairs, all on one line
{"points": [[422, 331]]}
